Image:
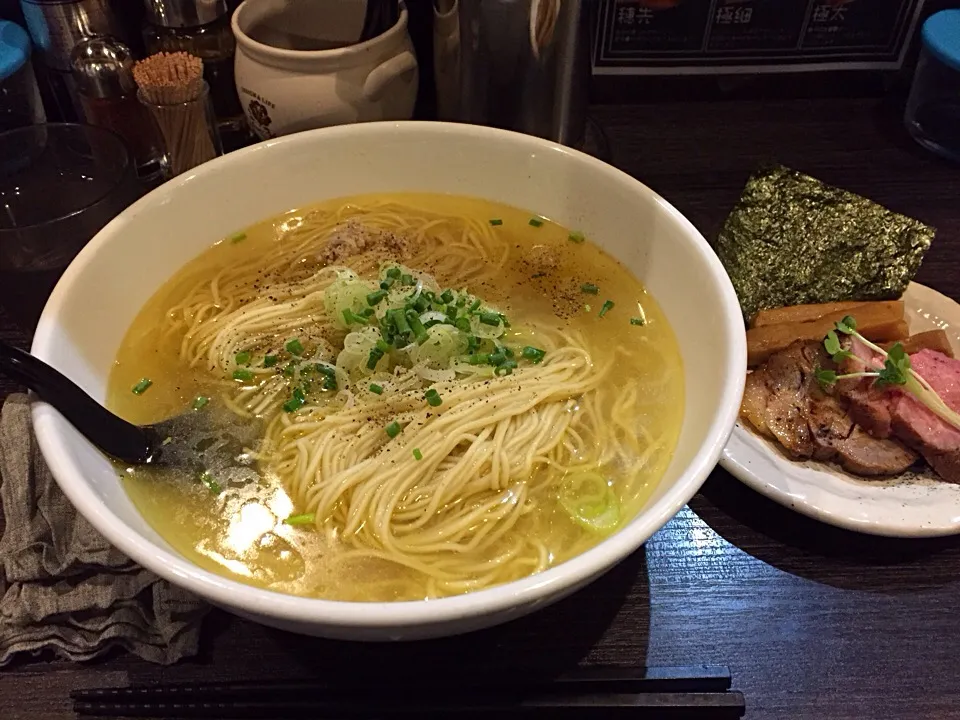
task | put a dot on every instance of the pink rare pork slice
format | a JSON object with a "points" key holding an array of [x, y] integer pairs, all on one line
{"points": [[889, 411]]}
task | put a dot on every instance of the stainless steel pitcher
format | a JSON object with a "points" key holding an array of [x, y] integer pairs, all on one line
{"points": [[516, 64]]}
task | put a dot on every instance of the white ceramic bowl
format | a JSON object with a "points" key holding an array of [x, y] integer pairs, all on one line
{"points": [[101, 292]]}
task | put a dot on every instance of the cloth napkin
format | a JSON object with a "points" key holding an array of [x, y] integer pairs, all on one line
{"points": [[62, 586]]}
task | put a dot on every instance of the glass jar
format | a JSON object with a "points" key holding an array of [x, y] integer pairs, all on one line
{"points": [[20, 102], [103, 75], [933, 109], [201, 28]]}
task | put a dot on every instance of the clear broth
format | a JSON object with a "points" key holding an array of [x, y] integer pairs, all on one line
{"points": [[240, 534]]}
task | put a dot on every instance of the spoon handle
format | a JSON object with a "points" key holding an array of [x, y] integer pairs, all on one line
{"points": [[113, 435]]}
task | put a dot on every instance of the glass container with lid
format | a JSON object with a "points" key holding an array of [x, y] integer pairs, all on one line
{"points": [[933, 110], [20, 102]]}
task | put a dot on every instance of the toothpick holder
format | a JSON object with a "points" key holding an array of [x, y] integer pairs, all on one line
{"points": [[189, 131]]}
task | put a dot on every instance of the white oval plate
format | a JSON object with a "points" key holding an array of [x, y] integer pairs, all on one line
{"points": [[911, 505]]}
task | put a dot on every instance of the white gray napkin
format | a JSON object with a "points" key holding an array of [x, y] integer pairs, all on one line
{"points": [[62, 586]]}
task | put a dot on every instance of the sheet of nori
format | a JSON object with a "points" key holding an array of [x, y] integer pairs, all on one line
{"points": [[792, 239]]}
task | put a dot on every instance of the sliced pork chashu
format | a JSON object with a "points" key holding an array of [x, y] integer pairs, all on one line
{"points": [[783, 401]]}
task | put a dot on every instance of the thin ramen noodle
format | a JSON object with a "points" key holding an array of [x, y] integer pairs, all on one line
{"points": [[452, 393]]}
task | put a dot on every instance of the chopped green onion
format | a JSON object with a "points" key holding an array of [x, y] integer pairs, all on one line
{"points": [[446, 297], [505, 368], [536, 222], [507, 351], [576, 236], [294, 403], [329, 382], [433, 398], [212, 485], [382, 346], [452, 313], [200, 402], [304, 519], [393, 273], [407, 280], [474, 306], [472, 344], [590, 288], [590, 501], [326, 370], [533, 354], [243, 358], [375, 297], [607, 306], [462, 324], [387, 284], [294, 347], [417, 455], [242, 375], [290, 369], [376, 389], [298, 394], [393, 429], [496, 221], [490, 318], [421, 304], [269, 360], [637, 321], [351, 318], [400, 321], [498, 358], [482, 359], [141, 387], [416, 327], [238, 237], [376, 355]]}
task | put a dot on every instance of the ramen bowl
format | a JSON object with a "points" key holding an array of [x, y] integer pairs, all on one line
{"points": [[100, 294]]}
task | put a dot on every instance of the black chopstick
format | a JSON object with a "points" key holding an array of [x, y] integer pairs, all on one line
{"points": [[715, 706], [672, 692], [597, 679]]}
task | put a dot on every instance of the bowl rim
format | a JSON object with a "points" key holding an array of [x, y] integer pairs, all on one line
{"points": [[229, 593]]}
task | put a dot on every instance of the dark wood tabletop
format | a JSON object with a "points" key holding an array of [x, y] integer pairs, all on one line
{"points": [[813, 622]]}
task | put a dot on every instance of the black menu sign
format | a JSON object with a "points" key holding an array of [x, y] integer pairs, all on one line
{"points": [[743, 26], [657, 28], [729, 36]]}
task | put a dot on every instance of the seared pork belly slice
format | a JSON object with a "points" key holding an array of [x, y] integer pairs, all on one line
{"points": [[783, 400]]}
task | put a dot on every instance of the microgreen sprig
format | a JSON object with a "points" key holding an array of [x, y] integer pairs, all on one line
{"points": [[896, 371]]}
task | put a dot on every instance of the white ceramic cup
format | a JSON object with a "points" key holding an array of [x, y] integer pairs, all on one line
{"points": [[286, 84]]}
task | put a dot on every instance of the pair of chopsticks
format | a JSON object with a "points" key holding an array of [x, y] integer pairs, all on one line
{"points": [[701, 692]]}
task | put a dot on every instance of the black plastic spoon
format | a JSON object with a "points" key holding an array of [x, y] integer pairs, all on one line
{"points": [[186, 441]]}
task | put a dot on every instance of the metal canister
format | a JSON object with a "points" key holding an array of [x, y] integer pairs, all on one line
{"points": [[57, 27], [522, 65]]}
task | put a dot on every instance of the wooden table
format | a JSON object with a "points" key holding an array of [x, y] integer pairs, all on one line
{"points": [[813, 622]]}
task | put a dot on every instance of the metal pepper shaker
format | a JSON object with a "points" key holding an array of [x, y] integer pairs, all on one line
{"points": [[102, 70]]}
